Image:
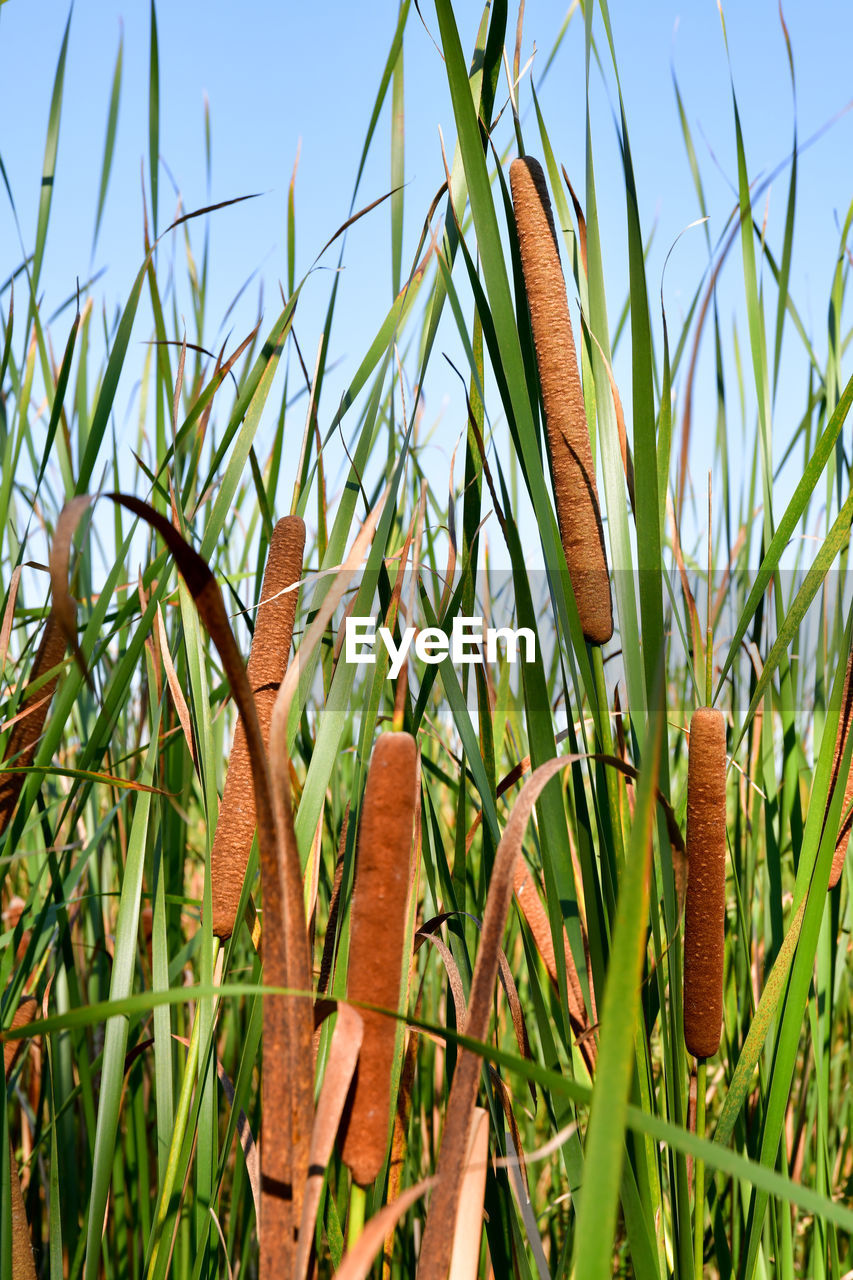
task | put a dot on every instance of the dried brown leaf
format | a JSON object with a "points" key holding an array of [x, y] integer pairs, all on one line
{"points": [[465, 1260], [357, 1261], [30, 720], [9, 615], [343, 1054], [174, 687], [438, 1233]]}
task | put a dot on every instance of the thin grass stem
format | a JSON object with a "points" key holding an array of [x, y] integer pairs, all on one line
{"points": [[699, 1169], [355, 1217], [606, 738]]}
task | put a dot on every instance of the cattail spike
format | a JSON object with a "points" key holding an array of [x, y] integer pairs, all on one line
{"points": [[844, 723], [567, 433], [267, 664], [706, 883], [382, 878]]}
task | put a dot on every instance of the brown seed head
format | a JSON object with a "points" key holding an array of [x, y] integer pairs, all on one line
{"points": [[567, 434], [11, 917], [27, 1011], [382, 877], [267, 664], [706, 883]]}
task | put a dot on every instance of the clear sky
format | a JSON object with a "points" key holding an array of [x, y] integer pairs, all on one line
{"points": [[281, 75]]}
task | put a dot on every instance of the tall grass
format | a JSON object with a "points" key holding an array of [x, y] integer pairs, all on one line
{"points": [[179, 1106]]}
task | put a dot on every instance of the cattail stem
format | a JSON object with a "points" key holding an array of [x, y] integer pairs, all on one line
{"points": [[699, 1173], [606, 739], [709, 633], [355, 1217], [566, 429], [709, 664]]}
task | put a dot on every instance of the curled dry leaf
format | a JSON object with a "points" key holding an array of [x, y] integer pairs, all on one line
{"points": [[30, 722], [277, 1235], [516, 1160], [581, 219], [428, 932], [288, 1021], [358, 1260], [175, 687], [64, 607], [454, 977], [9, 615]]}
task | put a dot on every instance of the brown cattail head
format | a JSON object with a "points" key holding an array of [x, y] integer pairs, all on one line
{"points": [[567, 434], [11, 918], [530, 903], [706, 883], [383, 874], [844, 723], [267, 664], [27, 1011], [22, 743]]}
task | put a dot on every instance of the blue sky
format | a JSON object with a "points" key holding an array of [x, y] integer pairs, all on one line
{"points": [[283, 76]]}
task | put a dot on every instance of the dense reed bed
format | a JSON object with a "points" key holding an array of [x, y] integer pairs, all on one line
{"points": [[532, 967]]}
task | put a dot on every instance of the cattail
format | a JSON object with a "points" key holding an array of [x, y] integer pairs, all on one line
{"points": [[844, 722], [11, 918], [23, 1267], [706, 883], [268, 658], [27, 1011], [382, 877], [566, 430], [21, 747]]}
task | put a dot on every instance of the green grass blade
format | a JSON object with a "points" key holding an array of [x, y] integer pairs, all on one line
{"points": [[49, 167], [109, 140], [154, 119], [116, 1031], [608, 1114]]}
